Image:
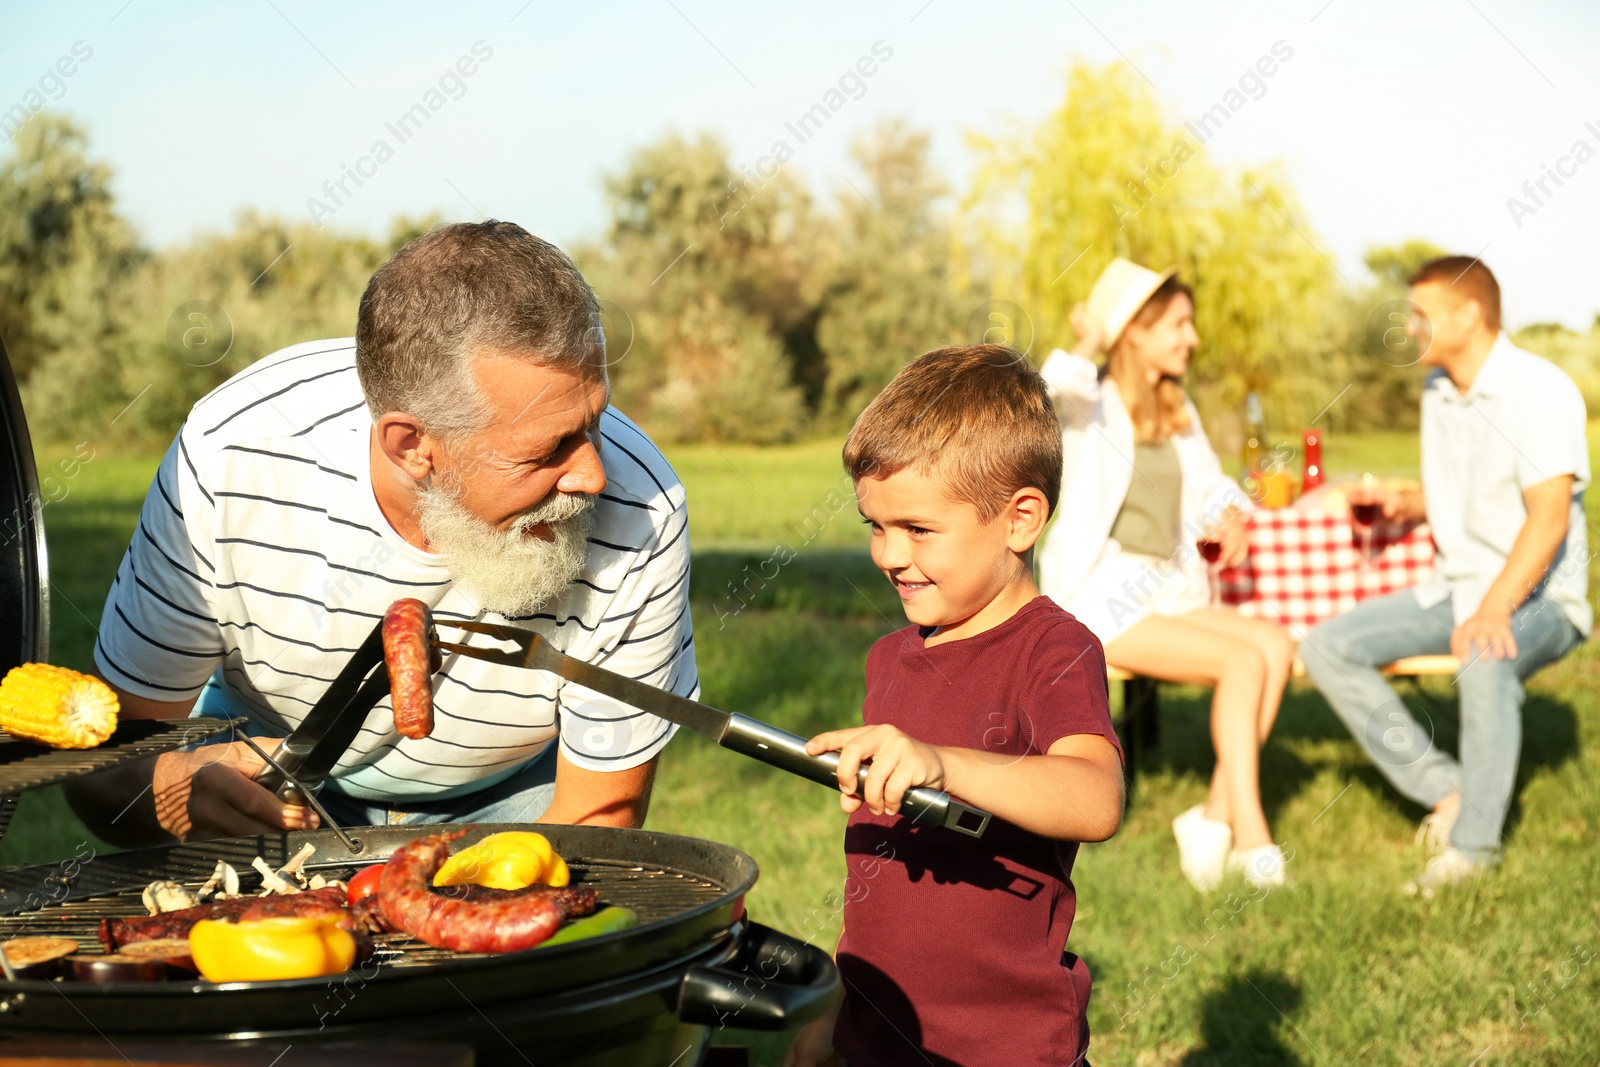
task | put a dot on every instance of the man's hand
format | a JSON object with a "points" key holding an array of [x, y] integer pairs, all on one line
{"points": [[209, 793], [898, 763], [1403, 502], [1486, 633]]}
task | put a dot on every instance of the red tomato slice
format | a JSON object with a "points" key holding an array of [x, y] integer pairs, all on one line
{"points": [[365, 884]]}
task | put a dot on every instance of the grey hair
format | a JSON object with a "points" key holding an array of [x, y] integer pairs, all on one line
{"points": [[460, 290]]}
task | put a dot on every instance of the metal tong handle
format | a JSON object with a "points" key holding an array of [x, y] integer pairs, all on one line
{"points": [[292, 785], [747, 736], [352, 693], [754, 738]]}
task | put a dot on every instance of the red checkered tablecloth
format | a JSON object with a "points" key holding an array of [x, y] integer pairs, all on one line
{"points": [[1306, 566]]}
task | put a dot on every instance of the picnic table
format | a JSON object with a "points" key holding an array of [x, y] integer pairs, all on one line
{"points": [[1307, 566]]}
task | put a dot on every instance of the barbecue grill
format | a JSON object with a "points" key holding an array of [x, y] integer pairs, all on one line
{"points": [[652, 994]]}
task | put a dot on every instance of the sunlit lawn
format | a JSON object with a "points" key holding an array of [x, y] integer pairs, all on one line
{"points": [[1343, 968]]}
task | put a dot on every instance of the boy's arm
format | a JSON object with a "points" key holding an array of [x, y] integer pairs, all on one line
{"points": [[1073, 793]]}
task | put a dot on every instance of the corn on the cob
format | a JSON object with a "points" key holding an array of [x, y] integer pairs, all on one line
{"points": [[56, 706]]}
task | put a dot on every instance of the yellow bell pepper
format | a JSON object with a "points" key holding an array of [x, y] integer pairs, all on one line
{"points": [[512, 860], [262, 950]]}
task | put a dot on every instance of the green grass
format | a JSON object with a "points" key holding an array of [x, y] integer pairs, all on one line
{"points": [[1344, 968]]}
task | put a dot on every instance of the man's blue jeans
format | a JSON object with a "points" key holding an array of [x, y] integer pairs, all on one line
{"points": [[1342, 656], [521, 798]]}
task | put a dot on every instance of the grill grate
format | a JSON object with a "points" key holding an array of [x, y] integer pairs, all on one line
{"points": [[654, 893], [26, 765]]}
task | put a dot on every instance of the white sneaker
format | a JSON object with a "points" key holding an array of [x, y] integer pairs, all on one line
{"points": [[1450, 867], [1203, 847], [1263, 866], [1433, 832]]}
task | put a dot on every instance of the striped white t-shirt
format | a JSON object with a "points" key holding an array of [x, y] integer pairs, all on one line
{"points": [[262, 552]]}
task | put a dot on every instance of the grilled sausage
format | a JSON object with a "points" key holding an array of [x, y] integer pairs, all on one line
{"points": [[407, 630], [114, 933], [469, 922]]}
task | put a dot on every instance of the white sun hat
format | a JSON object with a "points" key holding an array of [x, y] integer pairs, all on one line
{"points": [[1119, 293]]}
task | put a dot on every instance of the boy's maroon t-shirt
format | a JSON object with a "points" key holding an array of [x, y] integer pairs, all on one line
{"points": [[954, 948]]}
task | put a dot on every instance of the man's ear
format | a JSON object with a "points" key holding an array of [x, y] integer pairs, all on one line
{"points": [[1472, 310], [1026, 515], [407, 445]]}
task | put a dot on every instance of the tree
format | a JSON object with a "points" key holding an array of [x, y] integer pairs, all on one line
{"points": [[1385, 382], [224, 300], [1393, 265], [1576, 353], [1105, 176], [71, 269], [714, 268], [891, 297]]}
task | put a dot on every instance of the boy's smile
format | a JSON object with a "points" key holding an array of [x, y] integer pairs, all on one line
{"points": [[953, 571]]}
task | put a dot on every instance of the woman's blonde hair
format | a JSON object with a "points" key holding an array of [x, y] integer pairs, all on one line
{"points": [[1157, 410]]}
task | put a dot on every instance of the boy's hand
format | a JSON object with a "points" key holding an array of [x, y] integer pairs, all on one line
{"points": [[898, 763]]}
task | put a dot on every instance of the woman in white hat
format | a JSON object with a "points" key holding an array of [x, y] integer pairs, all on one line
{"points": [[1141, 486]]}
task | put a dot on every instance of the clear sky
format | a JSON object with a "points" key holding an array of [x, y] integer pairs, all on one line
{"points": [[1394, 119]]}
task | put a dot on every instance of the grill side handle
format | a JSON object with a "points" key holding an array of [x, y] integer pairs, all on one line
{"points": [[776, 982], [754, 738]]}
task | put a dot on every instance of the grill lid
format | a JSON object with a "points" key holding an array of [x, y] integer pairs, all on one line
{"points": [[25, 624], [24, 569]]}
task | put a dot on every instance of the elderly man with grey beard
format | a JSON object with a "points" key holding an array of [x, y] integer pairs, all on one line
{"points": [[459, 450]]}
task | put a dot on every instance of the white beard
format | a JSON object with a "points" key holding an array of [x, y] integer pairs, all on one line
{"points": [[514, 571]]}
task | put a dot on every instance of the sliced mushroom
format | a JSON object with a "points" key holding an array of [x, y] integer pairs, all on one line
{"points": [[292, 869], [223, 883], [271, 881], [162, 897]]}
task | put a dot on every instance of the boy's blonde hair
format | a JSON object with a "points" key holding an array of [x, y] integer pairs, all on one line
{"points": [[978, 417]]}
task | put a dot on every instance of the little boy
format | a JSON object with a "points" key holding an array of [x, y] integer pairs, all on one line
{"points": [[954, 949]]}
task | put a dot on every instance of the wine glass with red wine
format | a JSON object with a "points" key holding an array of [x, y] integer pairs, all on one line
{"points": [[1210, 546], [1366, 509]]}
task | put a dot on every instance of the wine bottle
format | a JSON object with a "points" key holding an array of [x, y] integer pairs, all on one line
{"points": [[1254, 433], [1312, 452]]}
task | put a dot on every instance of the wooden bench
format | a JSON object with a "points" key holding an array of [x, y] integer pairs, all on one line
{"points": [[1410, 667], [1140, 724]]}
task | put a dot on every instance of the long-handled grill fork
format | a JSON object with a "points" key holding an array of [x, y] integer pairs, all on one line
{"points": [[742, 734]]}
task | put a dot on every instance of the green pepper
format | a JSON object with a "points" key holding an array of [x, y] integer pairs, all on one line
{"points": [[604, 921]]}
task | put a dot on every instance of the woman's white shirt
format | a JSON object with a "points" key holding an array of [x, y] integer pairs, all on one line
{"points": [[1080, 566]]}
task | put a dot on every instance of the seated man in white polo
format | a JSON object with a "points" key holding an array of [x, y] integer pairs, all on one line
{"points": [[1505, 462]]}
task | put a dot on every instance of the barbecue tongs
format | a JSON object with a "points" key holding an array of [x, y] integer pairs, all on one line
{"points": [[731, 730], [308, 754]]}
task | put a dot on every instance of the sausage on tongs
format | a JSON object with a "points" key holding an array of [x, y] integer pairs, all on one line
{"points": [[408, 652]]}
